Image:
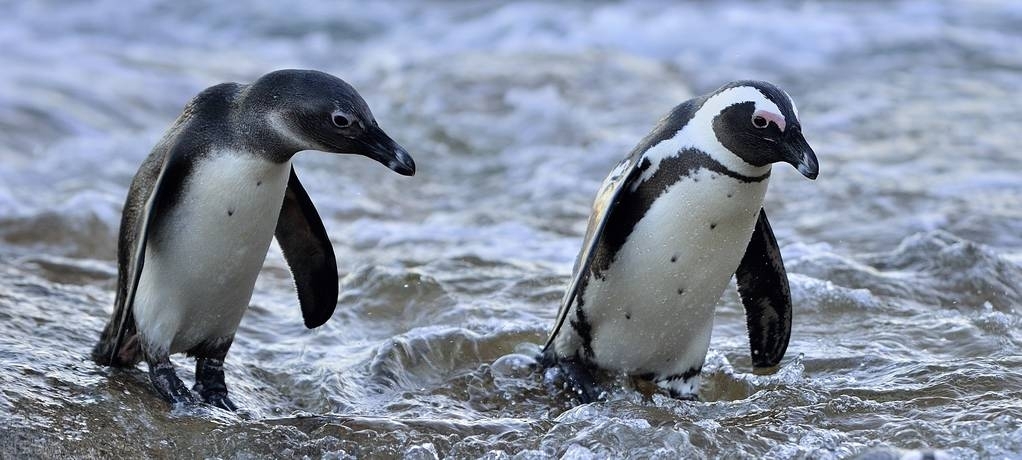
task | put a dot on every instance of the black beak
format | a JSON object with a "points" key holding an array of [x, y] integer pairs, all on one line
{"points": [[796, 151], [377, 145]]}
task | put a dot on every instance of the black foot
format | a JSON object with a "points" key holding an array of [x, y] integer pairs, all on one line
{"points": [[209, 383], [580, 379], [684, 396], [220, 400], [171, 388]]}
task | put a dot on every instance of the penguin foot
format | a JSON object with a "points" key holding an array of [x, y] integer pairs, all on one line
{"points": [[684, 396], [684, 386], [580, 379], [170, 387], [210, 385], [220, 400]]}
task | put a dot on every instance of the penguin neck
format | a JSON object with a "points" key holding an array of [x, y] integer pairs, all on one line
{"points": [[735, 163], [704, 141]]}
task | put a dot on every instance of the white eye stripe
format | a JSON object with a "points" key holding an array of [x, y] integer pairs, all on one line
{"points": [[698, 132], [738, 95], [763, 107], [791, 101]]}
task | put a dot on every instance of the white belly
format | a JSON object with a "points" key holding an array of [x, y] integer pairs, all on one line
{"points": [[653, 312], [202, 261]]}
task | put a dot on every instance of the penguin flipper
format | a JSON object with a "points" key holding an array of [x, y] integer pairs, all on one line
{"points": [[763, 287], [625, 173], [308, 253], [118, 344]]}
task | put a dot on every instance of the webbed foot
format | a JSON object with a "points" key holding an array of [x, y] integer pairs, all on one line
{"points": [[210, 385], [168, 385]]}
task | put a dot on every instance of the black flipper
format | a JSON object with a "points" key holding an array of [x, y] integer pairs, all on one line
{"points": [[309, 254], [153, 192], [624, 175], [118, 344], [763, 286]]}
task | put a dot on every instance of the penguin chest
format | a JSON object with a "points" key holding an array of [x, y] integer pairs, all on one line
{"points": [[203, 258], [652, 311]]}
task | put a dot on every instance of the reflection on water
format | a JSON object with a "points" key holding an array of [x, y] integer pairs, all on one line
{"points": [[905, 256]]}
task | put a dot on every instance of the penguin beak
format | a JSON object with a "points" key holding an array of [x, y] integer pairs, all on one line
{"points": [[797, 152], [377, 145]]}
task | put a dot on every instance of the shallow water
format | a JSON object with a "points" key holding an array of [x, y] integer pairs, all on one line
{"points": [[905, 256]]}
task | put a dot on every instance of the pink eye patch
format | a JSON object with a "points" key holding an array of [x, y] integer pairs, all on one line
{"points": [[778, 119]]}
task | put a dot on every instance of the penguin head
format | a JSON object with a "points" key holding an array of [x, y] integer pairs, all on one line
{"points": [[312, 110], [759, 123]]}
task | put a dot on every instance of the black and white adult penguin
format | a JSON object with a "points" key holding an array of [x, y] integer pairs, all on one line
{"points": [[680, 215], [203, 208]]}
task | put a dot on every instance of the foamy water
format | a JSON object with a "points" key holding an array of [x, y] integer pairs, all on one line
{"points": [[904, 257]]}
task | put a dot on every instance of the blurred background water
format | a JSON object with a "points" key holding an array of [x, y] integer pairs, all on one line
{"points": [[905, 257]]}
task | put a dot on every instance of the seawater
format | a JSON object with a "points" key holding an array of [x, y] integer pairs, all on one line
{"points": [[905, 256]]}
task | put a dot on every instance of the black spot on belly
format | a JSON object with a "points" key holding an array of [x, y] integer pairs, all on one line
{"points": [[729, 195], [681, 291], [713, 226], [628, 316], [258, 183], [674, 258], [230, 211]]}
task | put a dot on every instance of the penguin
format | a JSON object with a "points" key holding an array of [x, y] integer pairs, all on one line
{"points": [[201, 213], [671, 224]]}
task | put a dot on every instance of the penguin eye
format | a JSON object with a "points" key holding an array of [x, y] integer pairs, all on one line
{"points": [[762, 118], [341, 121]]}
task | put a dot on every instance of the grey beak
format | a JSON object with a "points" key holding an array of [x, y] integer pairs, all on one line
{"points": [[380, 147], [799, 154]]}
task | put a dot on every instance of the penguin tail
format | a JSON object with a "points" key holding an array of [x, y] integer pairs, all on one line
{"points": [[128, 354]]}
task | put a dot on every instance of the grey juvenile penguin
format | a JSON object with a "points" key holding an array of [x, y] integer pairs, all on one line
{"points": [[671, 224], [203, 208]]}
